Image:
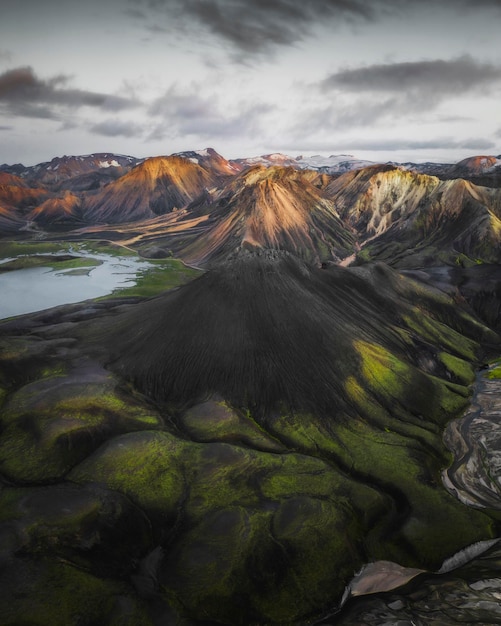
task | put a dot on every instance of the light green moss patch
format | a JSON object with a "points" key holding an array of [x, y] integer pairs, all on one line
{"points": [[494, 371], [460, 368], [408, 393], [160, 276]]}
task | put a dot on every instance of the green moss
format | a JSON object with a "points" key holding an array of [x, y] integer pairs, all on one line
{"points": [[17, 248], [364, 256], [241, 566], [217, 421], [213, 570], [381, 370], [26, 262], [494, 372], [160, 276], [52, 424], [436, 525], [53, 371], [296, 474], [309, 532], [441, 335], [60, 594], [145, 466], [460, 368]]}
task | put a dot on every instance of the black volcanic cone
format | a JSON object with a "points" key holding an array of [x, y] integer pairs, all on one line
{"points": [[267, 331]]}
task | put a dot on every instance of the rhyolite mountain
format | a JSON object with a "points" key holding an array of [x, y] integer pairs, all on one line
{"points": [[413, 220], [261, 208], [235, 450]]}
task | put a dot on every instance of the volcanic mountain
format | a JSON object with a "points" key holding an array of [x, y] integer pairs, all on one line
{"points": [[274, 208], [411, 219], [81, 172], [62, 210], [213, 162], [154, 187], [16, 200], [17, 194]]}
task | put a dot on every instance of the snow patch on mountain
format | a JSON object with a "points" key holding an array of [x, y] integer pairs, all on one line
{"points": [[105, 164]]}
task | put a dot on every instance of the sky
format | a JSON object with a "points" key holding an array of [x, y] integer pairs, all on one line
{"points": [[382, 80]]}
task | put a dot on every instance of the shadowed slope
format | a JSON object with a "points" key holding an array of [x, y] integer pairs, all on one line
{"points": [[55, 211], [80, 172], [10, 220], [251, 329]]}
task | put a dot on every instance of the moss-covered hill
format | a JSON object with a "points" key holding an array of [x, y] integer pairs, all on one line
{"points": [[232, 451]]}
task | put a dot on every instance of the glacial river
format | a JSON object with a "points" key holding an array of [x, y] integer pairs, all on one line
{"points": [[35, 289]]}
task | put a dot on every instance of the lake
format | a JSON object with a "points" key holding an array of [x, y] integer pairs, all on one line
{"points": [[38, 288]]}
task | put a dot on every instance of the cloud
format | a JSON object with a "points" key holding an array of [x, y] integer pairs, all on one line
{"points": [[24, 94], [116, 128], [390, 145], [135, 13], [432, 77], [187, 112], [362, 96], [6, 127], [257, 27], [5, 55], [441, 143]]}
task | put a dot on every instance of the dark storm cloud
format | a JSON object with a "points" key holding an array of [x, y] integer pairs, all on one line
{"points": [[116, 128], [190, 113], [260, 25], [437, 77], [23, 93], [256, 27], [362, 96]]}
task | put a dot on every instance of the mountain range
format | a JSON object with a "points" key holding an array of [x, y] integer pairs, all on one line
{"points": [[265, 443], [201, 206]]}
